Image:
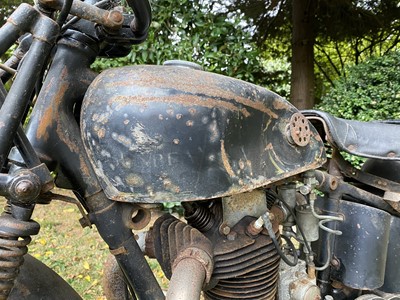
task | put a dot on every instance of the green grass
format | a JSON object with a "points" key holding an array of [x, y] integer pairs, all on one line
{"points": [[75, 253]]}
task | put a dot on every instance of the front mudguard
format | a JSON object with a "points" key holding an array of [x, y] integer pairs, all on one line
{"points": [[37, 281]]}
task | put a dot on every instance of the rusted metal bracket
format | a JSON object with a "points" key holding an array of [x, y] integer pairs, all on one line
{"points": [[391, 189], [332, 184], [84, 221]]}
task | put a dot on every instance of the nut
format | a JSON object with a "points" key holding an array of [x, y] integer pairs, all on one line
{"points": [[224, 229], [24, 187]]}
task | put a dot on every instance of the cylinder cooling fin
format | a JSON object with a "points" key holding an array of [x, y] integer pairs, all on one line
{"points": [[245, 266], [245, 269]]}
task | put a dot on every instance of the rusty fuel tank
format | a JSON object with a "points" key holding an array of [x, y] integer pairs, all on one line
{"points": [[167, 133]]}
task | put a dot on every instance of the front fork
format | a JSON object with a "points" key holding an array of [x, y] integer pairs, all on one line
{"points": [[54, 133]]}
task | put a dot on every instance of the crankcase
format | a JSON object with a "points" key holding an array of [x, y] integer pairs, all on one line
{"points": [[168, 133]]}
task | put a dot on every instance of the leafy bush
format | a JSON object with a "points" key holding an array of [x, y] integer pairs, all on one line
{"points": [[370, 91]]}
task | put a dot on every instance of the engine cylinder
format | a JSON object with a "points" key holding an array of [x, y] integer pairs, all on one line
{"points": [[246, 267], [257, 281]]}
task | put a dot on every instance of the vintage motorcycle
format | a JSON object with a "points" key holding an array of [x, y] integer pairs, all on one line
{"points": [[272, 209]]}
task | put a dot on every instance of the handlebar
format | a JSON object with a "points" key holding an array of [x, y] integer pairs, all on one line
{"points": [[142, 11], [110, 19]]}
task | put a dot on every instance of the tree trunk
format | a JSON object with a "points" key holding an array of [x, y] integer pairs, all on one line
{"points": [[303, 36]]}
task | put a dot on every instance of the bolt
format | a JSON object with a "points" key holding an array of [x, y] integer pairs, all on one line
{"points": [[24, 187], [305, 189], [224, 229], [116, 17], [335, 263]]}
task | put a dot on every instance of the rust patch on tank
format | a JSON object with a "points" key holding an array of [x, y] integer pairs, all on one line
{"points": [[169, 186], [269, 147], [185, 100], [101, 133], [225, 160], [134, 180], [241, 164], [280, 103], [245, 112], [102, 118], [190, 83], [258, 106]]}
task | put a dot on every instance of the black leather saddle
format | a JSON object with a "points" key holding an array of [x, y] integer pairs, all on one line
{"points": [[375, 139]]}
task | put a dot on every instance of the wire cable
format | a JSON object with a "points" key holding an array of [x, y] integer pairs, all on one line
{"points": [[268, 226], [295, 219]]}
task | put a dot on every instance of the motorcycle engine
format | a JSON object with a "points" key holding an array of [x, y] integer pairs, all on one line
{"points": [[246, 261]]}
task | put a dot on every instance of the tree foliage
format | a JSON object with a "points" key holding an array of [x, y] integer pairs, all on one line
{"points": [[370, 91], [340, 20], [198, 31], [346, 32], [6, 8], [201, 32]]}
